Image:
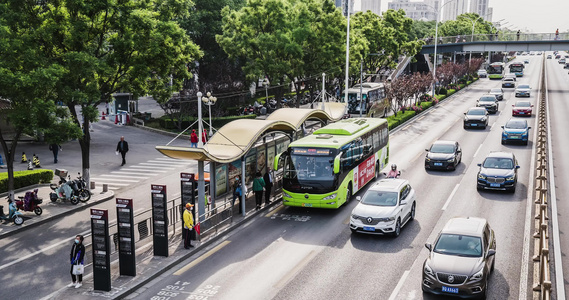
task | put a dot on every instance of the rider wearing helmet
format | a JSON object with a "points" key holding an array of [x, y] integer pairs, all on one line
{"points": [[393, 173]]}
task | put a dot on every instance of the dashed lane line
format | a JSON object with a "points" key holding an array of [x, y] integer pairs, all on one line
{"points": [[201, 258]]}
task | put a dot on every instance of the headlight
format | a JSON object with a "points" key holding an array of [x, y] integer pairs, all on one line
{"points": [[285, 194], [478, 275], [428, 270], [427, 159], [390, 219], [483, 119], [450, 160], [333, 196], [481, 176], [354, 216], [510, 178]]}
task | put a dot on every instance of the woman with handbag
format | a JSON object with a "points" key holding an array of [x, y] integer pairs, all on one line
{"points": [[76, 256]]}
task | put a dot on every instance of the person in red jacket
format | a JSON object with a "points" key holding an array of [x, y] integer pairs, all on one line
{"points": [[204, 136], [194, 139]]}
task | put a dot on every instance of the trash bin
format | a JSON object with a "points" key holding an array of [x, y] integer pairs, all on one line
{"points": [[263, 110], [147, 116]]}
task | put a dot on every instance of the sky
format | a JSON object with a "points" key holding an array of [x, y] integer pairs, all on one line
{"points": [[527, 15]]}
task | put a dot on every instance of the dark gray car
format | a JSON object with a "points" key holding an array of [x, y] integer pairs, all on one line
{"points": [[476, 117], [461, 259], [498, 92], [489, 102]]}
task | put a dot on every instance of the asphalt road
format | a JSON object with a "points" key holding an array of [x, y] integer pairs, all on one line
{"points": [[294, 253], [558, 86]]}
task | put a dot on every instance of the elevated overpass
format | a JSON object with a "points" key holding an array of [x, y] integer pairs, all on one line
{"points": [[499, 43]]}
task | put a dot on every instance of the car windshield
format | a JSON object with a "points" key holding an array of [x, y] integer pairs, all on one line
{"points": [[477, 112], [523, 86], [523, 104], [516, 124], [460, 245], [380, 198], [486, 99], [508, 79], [498, 163], [499, 91], [481, 71], [442, 148]]}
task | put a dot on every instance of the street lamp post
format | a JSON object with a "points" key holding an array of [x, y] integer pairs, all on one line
{"points": [[200, 125], [472, 36], [436, 42], [209, 100], [347, 55]]}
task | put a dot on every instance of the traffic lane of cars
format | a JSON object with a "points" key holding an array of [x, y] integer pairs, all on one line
{"points": [[558, 82]]}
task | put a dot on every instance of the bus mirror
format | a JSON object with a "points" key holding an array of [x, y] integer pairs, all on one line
{"points": [[337, 163], [277, 161]]}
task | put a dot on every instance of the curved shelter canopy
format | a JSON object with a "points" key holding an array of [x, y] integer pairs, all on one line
{"points": [[236, 138]]}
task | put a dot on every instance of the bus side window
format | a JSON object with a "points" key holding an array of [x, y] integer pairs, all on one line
{"points": [[376, 140]]}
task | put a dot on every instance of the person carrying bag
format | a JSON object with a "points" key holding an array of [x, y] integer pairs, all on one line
{"points": [[77, 265]]}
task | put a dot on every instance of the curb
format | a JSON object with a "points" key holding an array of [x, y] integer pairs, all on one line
{"points": [[31, 187], [58, 216], [176, 262]]}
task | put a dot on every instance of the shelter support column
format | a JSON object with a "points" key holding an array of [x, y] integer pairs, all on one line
{"points": [[243, 183], [201, 191]]}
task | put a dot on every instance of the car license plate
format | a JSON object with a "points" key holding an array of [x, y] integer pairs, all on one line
{"points": [[474, 124], [306, 204], [447, 289], [438, 164], [369, 228], [521, 112], [494, 185], [515, 137]]}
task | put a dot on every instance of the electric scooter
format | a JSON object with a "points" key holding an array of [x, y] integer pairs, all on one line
{"points": [[30, 202], [13, 214]]}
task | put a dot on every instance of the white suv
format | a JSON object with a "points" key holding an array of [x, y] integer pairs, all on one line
{"points": [[384, 208]]}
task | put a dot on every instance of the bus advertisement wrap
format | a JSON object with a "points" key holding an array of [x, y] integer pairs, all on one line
{"points": [[365, 173]]}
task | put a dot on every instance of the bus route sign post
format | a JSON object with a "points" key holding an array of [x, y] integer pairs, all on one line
{"points": [[101, 250], [125, 224], [159, 220], [188, 186]]}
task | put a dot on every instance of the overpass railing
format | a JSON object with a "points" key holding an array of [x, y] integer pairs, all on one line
{"points": [[500, 37]]}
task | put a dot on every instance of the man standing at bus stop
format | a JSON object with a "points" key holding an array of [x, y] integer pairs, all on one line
{"points": [[188, 225], [268, 178]]}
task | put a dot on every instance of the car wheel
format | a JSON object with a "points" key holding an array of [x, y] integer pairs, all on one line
{"points": [[526, 143], [412, 216], [493, 264], [503, 142], [376, 170], [353, 231], [397, 228], [478, 187], [38, 210], [485, 292], [513, 190]]}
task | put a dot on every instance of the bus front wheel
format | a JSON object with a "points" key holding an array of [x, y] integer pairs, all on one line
{"points": [[349, 193]]}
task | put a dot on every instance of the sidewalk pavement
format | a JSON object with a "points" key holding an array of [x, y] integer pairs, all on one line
{"points": [[150, 267], [51, 210]]}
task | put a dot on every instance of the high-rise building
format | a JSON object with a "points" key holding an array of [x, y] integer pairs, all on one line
{"points": [[454, 9], [423, 10], [344, 5], [373, 5], [481, 8]]}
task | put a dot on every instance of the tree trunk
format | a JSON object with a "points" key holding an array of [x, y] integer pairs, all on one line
{"points": [[85, 143], [9, 154]]}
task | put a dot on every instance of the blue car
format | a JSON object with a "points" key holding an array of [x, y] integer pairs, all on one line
{"points": [[499, 171], [516, 130]]}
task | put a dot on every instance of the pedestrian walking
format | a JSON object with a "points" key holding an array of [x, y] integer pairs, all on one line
{"points": [[77, 264], [557, 34], [518, 35], [193, 139], [122, 148], [258, 187], [204, 136], [188, 225], [237, 193], [268, 179], [55, 148]]}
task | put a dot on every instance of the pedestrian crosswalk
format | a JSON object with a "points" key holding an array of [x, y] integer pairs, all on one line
{"points": [[132, 174]]}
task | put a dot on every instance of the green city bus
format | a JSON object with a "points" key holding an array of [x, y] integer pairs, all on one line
{"points": [[326, 168], [496, 70]]}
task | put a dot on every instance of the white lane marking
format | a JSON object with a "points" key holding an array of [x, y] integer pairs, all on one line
{"points": [[450, 196], [399, 285], [492, 126], [170, 159], [111, 183], [42, 250], [125, 180], [112, 188], [559, 280], [161, 165], [131, 173], [181, 163], [476, 153], [125, 176], [143, 169]]}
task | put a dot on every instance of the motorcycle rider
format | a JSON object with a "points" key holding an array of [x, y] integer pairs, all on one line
{"points": [[393, 173]]}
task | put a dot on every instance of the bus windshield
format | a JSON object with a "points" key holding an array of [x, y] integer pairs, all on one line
{"points": [[309, 170], [516, 68], [495, 69]]}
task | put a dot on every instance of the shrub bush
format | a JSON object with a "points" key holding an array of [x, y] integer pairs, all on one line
{"points": [[441, 91], [425, 105], [399, 118], [26, 178]]}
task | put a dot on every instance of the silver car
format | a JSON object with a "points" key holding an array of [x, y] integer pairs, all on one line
{"points": [[523, 90], [498, 92], [461, 259]]}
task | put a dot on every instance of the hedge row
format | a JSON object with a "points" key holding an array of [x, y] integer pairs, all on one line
{"points": [[168, 123], [25, 178], [399, 118]]}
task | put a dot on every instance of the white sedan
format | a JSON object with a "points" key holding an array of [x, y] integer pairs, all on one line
{"points": [[482, 73], [385, 208], [523, 90]]}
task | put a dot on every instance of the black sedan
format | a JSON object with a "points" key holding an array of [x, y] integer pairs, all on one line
{"points": [[499, 171], [444, 155], [489, 102], [476, 117]]}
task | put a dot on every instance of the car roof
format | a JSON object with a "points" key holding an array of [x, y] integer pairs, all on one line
{"points": [[496, 89], [501, 154], [523, 101], [465, 225], [444, 142], [487, 96], [477, 108], [391, 184]]}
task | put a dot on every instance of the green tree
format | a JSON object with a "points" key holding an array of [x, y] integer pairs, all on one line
{"points": [[27, 85], [107, 47], [463, 26], [422, 29]]}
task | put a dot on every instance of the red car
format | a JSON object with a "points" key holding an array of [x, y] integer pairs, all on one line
{"points": [[522, 108]]}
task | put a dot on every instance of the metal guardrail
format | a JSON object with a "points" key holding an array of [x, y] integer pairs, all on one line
{"points": [[500, 37], [541, 245]]}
